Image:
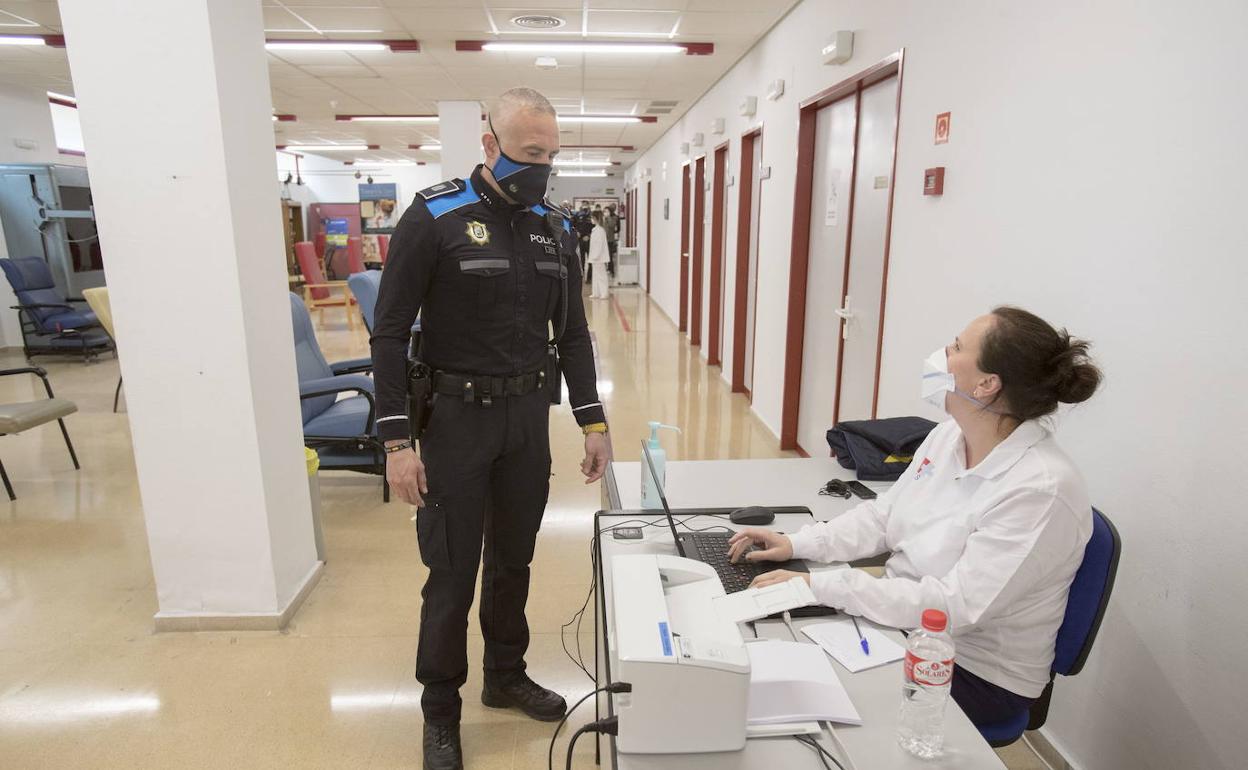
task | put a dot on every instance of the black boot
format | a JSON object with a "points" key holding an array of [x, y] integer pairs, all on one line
{"points": [[520, 692], [442, 751]]}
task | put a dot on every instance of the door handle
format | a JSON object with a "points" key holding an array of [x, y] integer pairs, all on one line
{"points": [[846, 315]]}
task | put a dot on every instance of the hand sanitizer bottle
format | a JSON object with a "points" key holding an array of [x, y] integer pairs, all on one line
{"points": [[649, 492]]}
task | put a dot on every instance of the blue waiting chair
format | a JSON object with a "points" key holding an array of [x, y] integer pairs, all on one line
{"points": [[365, 287], [343, 432], [50, 324], [1089, 595]]}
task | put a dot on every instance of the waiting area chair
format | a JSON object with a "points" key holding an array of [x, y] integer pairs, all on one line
{"points": [[319, 293], [1089, 595], [365, 285], [342, 431], [50, 323], [97, 300], [24, 415]]}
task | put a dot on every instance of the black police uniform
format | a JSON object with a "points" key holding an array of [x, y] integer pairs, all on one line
{"points": [[487, 278]]}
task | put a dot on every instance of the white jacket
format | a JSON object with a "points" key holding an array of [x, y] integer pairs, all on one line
{"points": [[598, 252], [996, 547]]}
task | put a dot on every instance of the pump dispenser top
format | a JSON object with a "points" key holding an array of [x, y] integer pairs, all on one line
{"points": [[649, 490]]}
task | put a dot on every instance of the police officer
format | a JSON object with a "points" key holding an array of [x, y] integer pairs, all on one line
{"points": [[491, 269]]}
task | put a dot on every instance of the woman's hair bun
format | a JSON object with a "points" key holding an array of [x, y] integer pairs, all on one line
{"points": [[1077, 377]]}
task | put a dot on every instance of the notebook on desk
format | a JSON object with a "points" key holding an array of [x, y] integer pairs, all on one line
{"points": [[711, 548]]}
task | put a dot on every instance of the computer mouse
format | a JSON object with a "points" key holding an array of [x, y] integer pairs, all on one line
{"points": [[753, 515]]}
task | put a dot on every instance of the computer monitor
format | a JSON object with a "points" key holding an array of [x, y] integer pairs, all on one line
{"points": [[654, 476]]}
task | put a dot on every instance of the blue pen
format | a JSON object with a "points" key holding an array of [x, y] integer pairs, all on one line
{"points": [[866, 648]]}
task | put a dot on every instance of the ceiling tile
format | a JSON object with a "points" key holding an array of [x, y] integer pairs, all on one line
{"points": [[601, 22]]}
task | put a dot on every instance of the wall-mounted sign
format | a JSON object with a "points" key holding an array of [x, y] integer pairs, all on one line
{"points": [[942, 128]]}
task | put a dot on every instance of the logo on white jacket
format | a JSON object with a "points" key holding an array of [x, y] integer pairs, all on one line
{"points": [[925, 468]]}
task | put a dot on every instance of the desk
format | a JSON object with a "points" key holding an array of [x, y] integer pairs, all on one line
{"points": [[876, 692]]}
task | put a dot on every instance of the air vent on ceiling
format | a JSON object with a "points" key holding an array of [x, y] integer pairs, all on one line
{"points": [[537, 21], [659, 111], [664, 103]]}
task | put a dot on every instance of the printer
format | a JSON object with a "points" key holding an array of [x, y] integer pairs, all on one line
{"points": [[684, 657]]}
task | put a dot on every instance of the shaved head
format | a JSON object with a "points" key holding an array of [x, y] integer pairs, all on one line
{"points": [[524, 124]]}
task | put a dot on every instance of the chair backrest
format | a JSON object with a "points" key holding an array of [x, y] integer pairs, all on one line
{"points": [[383, 247], [32, 283], [310, 363], [1089, 595], [305, 254], [355, 254], [364, 287], [97, 300]]}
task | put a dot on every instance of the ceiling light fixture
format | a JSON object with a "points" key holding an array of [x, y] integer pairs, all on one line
{"points": [[21, 40], [428, 147], [386, 162], [583, 163], [585, 46], [581, 173], [606, 119], [342, 45], [558, 46], [388, 118], [328, 147]]}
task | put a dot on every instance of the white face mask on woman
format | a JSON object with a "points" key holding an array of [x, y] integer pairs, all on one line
{"points": [[938, 380]]}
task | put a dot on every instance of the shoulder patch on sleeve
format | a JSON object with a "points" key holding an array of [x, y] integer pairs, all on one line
{"points": [[442, 188]]}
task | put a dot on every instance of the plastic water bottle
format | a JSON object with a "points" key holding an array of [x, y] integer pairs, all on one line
{"points": [[929, 675]]}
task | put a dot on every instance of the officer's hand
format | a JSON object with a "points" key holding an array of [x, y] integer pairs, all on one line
{"points": [[595, 462], [772, 545], [406, 474]]}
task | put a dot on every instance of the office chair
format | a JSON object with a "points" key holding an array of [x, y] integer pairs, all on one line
{"points": [[15, 418], [343, 432], [50, 324], [1085, 608]]}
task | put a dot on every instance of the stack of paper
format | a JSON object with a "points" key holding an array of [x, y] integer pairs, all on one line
{"points": [[840, 639], [795, 682]]}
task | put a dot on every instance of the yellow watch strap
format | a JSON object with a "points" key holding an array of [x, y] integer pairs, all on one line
{"points": [[594, 427]]}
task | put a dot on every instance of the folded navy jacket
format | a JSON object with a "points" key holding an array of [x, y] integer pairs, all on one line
{"points": [[879, 450]]}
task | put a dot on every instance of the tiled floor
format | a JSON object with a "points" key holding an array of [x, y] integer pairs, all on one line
{"points": [[84, 682]]}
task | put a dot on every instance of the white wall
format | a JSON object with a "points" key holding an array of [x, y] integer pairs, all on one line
{"points": [[570, 188], [329, 181], [1093, 176]]}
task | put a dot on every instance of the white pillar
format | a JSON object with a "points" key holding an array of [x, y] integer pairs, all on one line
{"points": [[460, 128], [175, 104]]}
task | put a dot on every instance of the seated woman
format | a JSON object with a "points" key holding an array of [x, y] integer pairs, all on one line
{"points": [[988, 524]]}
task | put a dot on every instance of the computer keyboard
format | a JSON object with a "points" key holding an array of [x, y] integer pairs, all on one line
{"points": [[712, 548]]}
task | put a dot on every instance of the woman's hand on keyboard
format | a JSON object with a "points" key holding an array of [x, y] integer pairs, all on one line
{"points": [[769, 545], [777, 576]]}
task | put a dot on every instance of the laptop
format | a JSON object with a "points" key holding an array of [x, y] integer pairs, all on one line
{"points": [[712, 548]]}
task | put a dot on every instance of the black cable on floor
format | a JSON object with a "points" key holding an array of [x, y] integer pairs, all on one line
{"points": [[814, 744]]}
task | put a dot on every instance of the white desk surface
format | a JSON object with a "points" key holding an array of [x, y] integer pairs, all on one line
{"points": [[875, 692]]}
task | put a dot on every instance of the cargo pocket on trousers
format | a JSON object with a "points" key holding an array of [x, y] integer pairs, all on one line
{"points": [[431, 535]]}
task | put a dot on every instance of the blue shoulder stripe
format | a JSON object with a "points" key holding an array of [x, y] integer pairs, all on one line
{"points": [[542, 211], [444, 203]]}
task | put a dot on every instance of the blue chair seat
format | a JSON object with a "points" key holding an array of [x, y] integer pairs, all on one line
{"points": [[73, 319], [347, 417], [1005, 732]]}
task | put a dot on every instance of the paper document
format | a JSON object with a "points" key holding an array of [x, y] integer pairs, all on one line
{"points": [[795, 682], [839, 639], [755, 603]]}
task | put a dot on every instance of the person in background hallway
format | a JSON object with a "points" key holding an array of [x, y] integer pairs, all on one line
{"points": [[488, 265], [583, 224], [988, 524], [600, 256], [611, 223]]}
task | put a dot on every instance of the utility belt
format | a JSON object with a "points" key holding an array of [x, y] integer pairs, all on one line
{"points": [[423, 382], [485, 388]]}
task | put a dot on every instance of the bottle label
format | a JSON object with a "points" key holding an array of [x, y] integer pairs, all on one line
{"points": [[932, 673]]}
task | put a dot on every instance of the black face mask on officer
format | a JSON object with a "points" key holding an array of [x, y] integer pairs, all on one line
{"points": [[523, 182]]}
